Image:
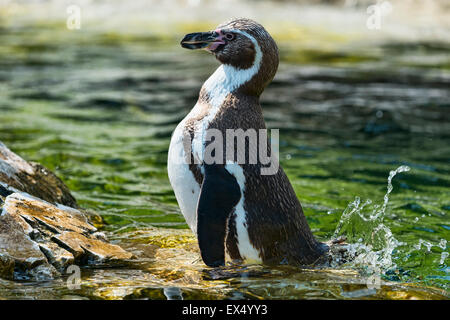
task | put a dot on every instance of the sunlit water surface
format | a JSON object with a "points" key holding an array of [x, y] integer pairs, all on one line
{"points": [[98, 108]]}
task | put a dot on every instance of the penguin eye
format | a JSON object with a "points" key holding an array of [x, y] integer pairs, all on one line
{"points": [[229, 36]]}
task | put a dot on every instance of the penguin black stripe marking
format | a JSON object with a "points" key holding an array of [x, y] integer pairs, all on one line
{"points": [[237, 213], [219, 194]]}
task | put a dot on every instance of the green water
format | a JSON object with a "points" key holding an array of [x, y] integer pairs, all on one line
{"points": [[98, 109]]}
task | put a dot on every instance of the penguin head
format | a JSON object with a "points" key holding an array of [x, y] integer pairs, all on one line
{"points": [[241, 44]]}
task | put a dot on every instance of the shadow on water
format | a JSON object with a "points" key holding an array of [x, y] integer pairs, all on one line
{"points": [[98, 108]]}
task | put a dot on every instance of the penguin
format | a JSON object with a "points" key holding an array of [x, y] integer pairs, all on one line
{"points": [[238, 214]]}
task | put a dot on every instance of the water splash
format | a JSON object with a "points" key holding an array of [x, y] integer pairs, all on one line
{"points": [[426, 244], [443, 245], [373, 249], [371, 242], [444, 255]]}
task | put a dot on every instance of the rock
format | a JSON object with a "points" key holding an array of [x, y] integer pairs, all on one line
{"points": [[6, 266], [42, 272], [94, 251], [32, 178], [55, 219], [17, 245], [20, 257], [41, 231], [60, 258], [36, 233]]}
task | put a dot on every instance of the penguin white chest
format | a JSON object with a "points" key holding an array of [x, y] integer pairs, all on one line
{"points": [[186, 188]]}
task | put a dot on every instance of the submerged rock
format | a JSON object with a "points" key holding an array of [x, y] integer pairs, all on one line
{"points": [[39, 236]]}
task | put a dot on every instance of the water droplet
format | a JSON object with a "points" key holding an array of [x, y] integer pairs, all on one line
{"points": [[444, 256], [443, 244]]}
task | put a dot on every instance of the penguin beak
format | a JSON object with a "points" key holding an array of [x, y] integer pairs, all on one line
{"points": [[203, 40]]}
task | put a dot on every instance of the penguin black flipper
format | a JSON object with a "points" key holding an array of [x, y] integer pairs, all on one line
{"points": [[219, 194]]}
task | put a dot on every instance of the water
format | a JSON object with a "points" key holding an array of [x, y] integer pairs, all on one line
{"points": [[98, 107], [371, 242]]}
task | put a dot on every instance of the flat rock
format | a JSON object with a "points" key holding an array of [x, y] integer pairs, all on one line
{"points": [[93, 250], [56, 219]]}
